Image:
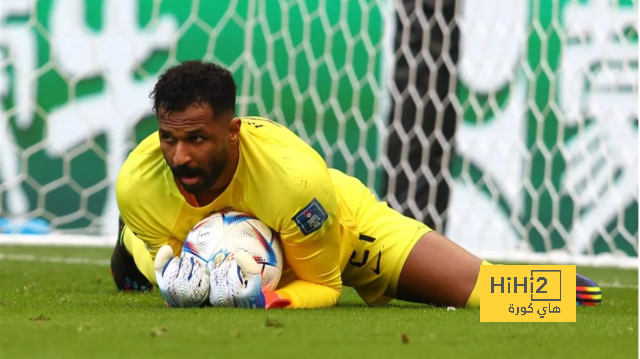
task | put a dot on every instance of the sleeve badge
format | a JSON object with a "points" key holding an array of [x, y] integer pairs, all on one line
{"points": [[311, 218]]}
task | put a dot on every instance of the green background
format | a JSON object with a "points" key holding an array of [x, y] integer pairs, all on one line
{"points": [[287, 48], [554, 213], [321, 75]]}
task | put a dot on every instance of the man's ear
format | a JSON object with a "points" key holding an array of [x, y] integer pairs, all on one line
{"points": [[234, 129]]}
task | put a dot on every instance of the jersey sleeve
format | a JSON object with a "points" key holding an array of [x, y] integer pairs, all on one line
{"points": [[141, 238], [310, 237]]}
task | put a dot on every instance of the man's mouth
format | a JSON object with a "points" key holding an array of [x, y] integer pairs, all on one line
{"points": [[190, 180]]}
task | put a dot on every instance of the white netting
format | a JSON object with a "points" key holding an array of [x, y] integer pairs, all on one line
{"points": [[548, 139], [542, 165]]}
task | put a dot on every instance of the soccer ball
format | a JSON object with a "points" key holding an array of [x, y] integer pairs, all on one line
{"points": [[214, 238]]}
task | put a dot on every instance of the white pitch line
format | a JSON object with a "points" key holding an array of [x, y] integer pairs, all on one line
{"points": [[617, 284], [64, 260]]}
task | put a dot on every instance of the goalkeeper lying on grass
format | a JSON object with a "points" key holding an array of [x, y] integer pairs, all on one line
{"points": [[333, 231]]}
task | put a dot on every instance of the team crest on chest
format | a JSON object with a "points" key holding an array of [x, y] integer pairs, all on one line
{"points": [[311, 218]]}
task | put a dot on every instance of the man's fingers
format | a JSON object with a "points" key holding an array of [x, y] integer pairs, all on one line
{"points": [[247, 264], [165, 253]]}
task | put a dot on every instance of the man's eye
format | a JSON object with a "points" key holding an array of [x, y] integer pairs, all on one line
{"points": [[197, 138], [166, 138]]}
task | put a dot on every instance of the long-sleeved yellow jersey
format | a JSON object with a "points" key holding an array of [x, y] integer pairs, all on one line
{"points": [[279, 179]]}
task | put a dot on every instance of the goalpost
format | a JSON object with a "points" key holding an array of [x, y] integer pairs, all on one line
{"points": [[541, 167]]}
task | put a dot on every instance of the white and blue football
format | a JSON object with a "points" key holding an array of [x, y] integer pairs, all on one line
{"points": [[215, 237]]}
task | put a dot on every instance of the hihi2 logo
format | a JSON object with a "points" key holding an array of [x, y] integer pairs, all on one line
{"points": [[527, 293]]}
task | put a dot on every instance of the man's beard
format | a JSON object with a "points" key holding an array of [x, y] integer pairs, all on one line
{"points": [[207, 177]]}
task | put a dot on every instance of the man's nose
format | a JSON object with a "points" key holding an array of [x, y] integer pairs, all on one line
{"points": [[181, 156]]}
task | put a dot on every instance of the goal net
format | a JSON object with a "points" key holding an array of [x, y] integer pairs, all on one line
{"points": [[509, 125]]}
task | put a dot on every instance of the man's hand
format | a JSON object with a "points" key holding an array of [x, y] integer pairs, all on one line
{"points": [[237, 283], [183, 281]]}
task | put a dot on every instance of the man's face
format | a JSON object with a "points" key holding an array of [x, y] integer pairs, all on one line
{"points": [[195, 146]]}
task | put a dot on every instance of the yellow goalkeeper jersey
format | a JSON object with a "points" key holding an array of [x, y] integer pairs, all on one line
{"points": [[279, 179]]}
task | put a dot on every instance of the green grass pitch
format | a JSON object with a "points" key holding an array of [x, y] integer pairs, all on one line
{"points": [[50, 309]]}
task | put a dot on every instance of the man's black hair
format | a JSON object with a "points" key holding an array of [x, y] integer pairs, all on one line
{"points": [[195, 83]]}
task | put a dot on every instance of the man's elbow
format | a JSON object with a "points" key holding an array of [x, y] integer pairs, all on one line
{"points": [[336, 292]]}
